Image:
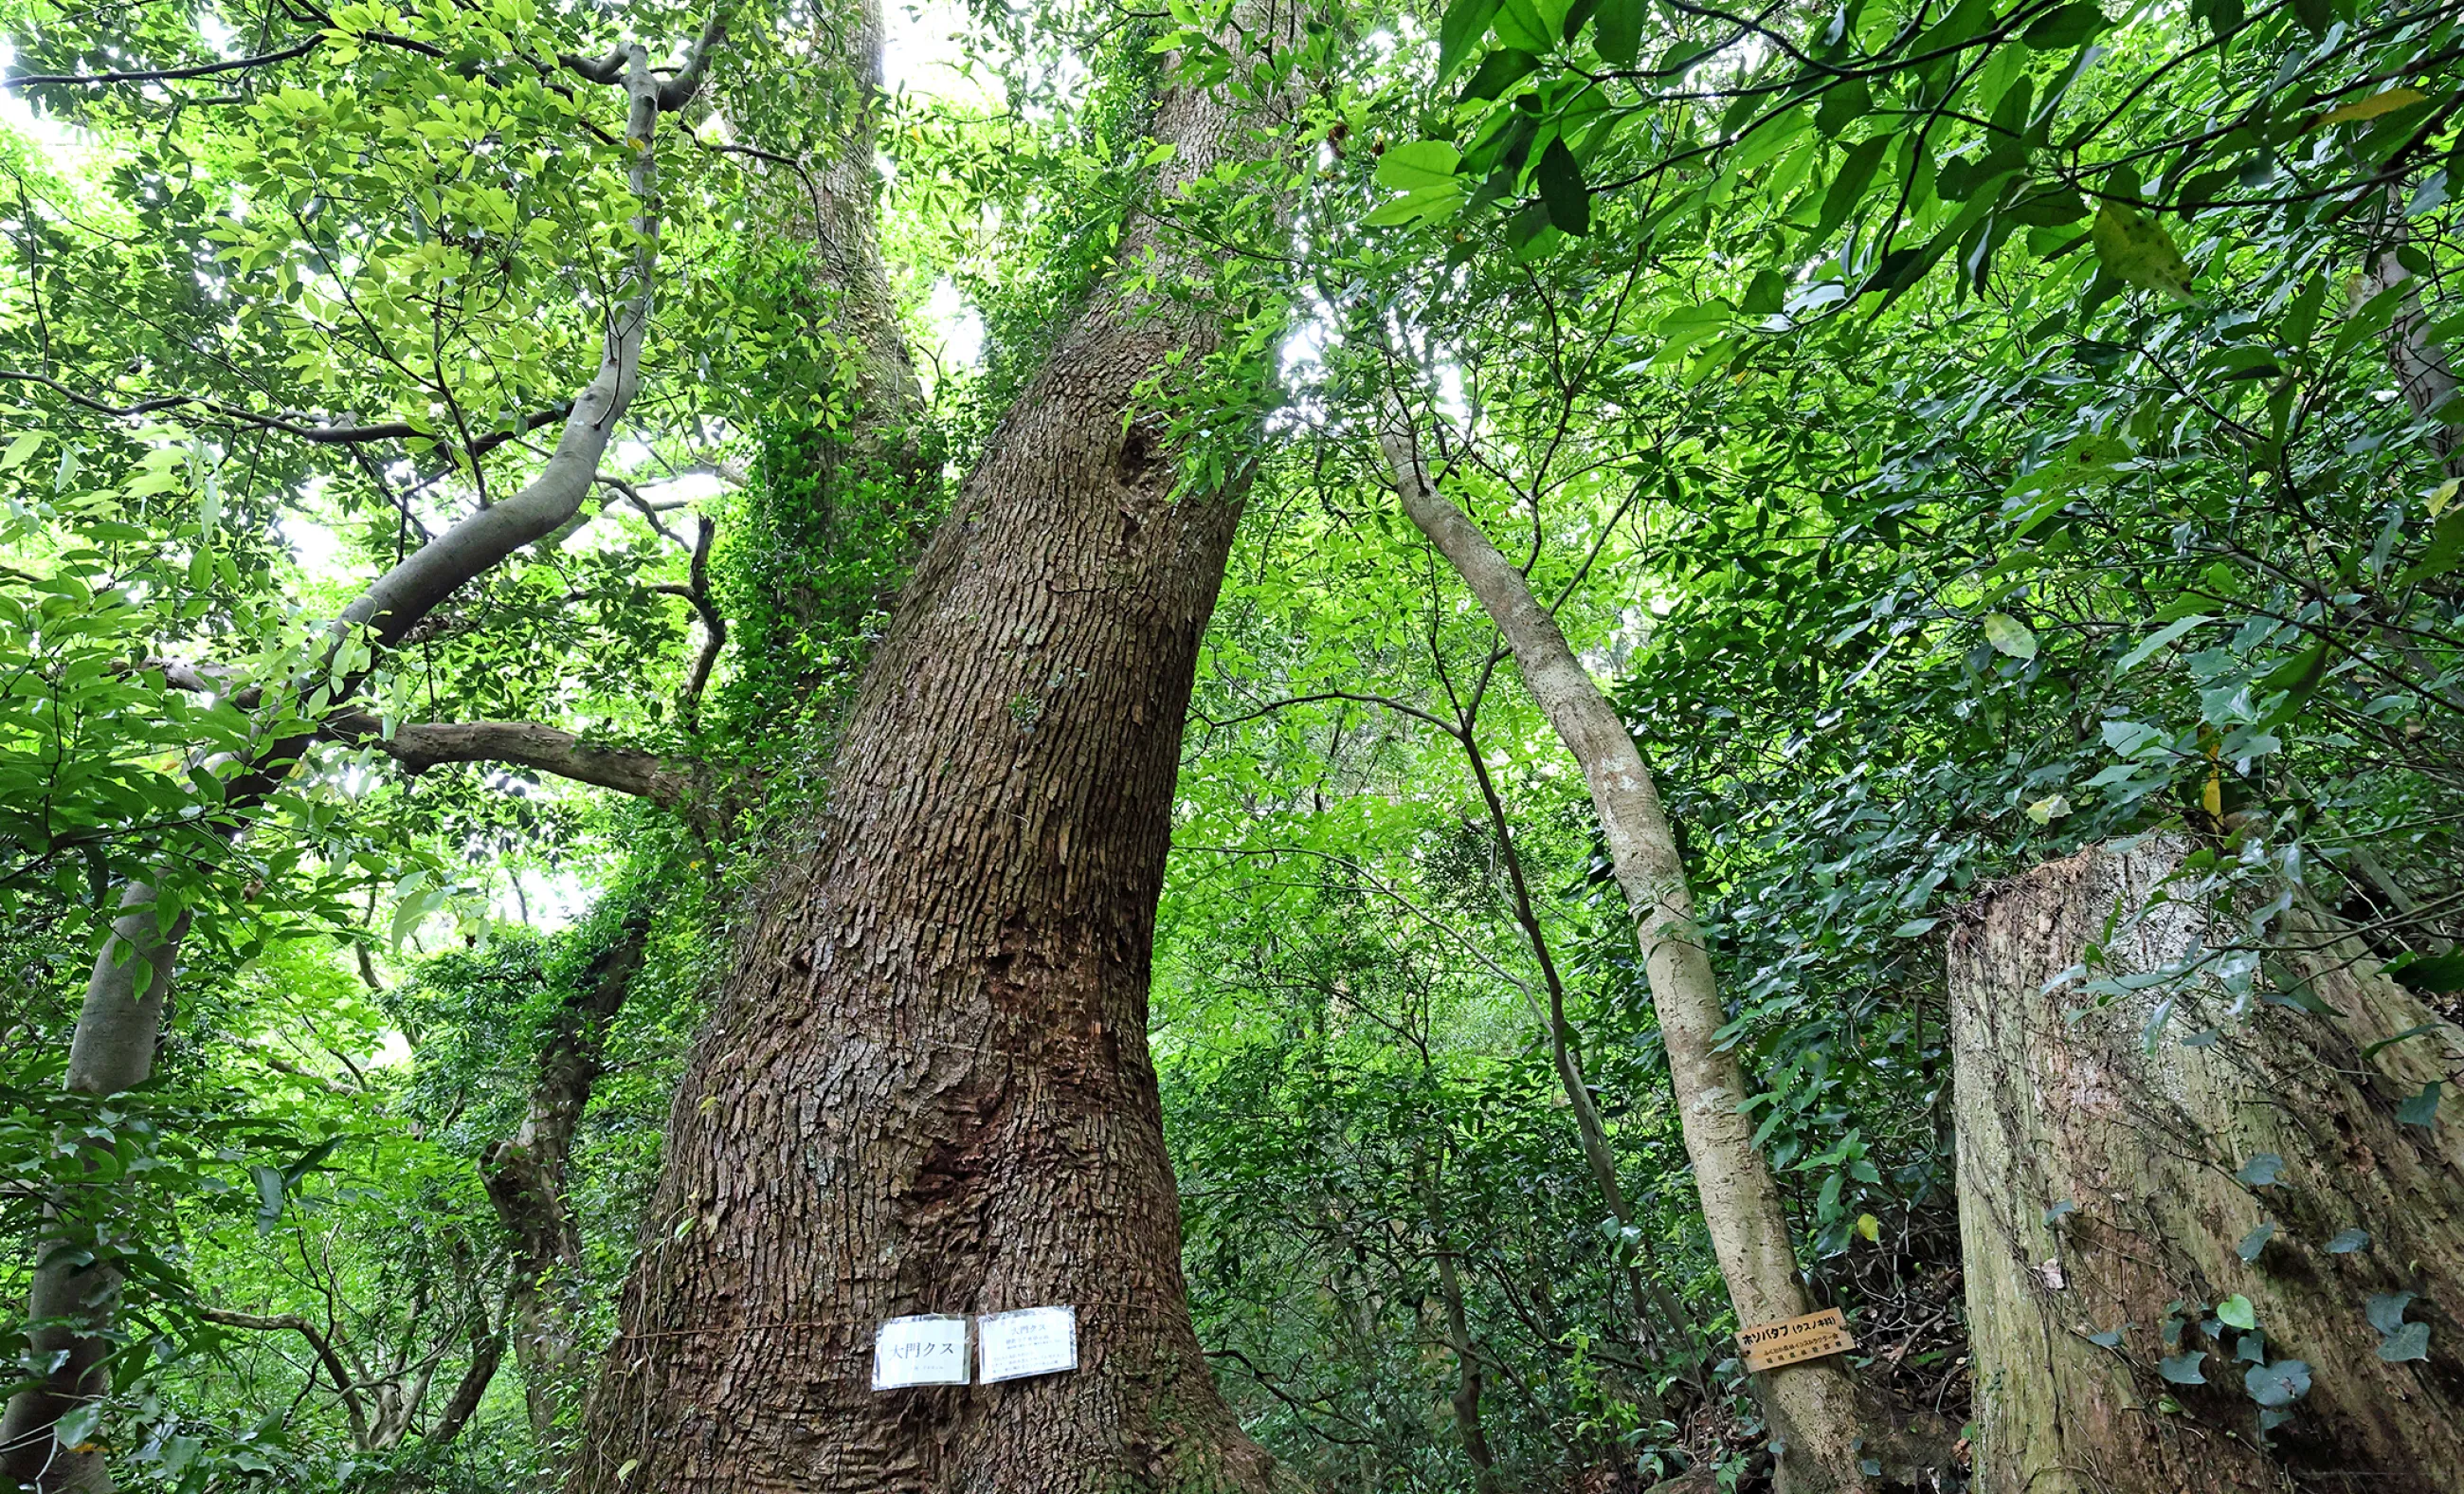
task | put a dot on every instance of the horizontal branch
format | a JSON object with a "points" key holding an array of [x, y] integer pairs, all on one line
{"points": [[163, 74], [321, 435], [421, 746], [292, 1322]]}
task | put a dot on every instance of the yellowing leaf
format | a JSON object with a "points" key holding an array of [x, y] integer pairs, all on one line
{"points": [[2009, 635], [2136, 250], [1870, 1227], [20, 449], [2370, 109], [2443, 495]]}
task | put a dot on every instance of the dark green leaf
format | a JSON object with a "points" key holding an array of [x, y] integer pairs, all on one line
{"points": [[2422, 1109], [2279, 1384], [1506, 66], [2065, 27], [1848, 184], [1465, 23], [1562, 191]]}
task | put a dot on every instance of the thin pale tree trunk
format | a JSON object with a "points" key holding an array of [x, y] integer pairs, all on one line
{"points": [[1816, 1426], [926, 1085]]}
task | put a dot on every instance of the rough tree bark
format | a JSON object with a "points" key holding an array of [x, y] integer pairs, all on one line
{"points": [[926, 1085], [525, 1177], [1818, 1429], [70, 1306], [2112, 1187]]}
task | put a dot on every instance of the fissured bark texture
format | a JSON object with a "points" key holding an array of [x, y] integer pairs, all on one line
{"points": [[2107, 1185], [926, 1087]]}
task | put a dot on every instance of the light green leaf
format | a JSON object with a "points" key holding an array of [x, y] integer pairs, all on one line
{"points": [[1417, 164], [2009, 635], [2137, 250]]}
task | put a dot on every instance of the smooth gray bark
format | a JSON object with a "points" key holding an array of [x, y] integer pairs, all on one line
{"points": [[1817, 1427]]}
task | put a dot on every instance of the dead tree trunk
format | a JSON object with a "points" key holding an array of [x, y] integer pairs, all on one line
{"points": [[2189, 1237], [925, 1086], [525, 1177]]}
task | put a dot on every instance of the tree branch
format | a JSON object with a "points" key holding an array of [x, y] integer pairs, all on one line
{"points": [[163, 74], [292, 1322], [421, 746], [321, 435]]}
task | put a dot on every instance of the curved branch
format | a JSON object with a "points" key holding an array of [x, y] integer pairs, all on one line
{"points": [[292, 1322], [321, 435], [421, 746], [166, 74]]}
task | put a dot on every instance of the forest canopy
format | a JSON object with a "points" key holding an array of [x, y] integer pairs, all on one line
{"points": [[1427, 704]]}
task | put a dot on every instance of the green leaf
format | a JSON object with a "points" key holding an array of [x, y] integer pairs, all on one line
{"points": [[2252, 1243], [1417, 164], [2009, 635], [1848, 185], [2237, 1312], [2409, 1341], [2346, 1242], [2137, 250], [2386, 1309], [1465, 23], [2279, 1384], [1843, 104], [2422, 1109], [1561, 189], [23, 447], [1529, 24], [2157, 640], [2182, 1369], [2439, 972], [2261, 1171], [2065, 27], [1618, 31], [1499, 70]]}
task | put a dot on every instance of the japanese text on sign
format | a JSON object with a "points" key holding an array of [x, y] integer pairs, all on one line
{"points": [[1036, 1341], [1768, 1346], [930, 1349]]}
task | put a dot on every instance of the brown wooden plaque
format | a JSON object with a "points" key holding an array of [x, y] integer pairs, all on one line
{"points": [[1768, 1346]]}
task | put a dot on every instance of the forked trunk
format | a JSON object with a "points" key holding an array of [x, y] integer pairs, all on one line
{"points": [[926, 1085], [2188, 1240]]}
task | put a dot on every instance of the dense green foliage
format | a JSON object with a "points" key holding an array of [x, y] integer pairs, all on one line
{"points": [[1953, 435]]}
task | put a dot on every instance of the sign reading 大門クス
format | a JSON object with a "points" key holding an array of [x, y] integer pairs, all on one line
{"points": [[1037, 1340], [930, 1349]]}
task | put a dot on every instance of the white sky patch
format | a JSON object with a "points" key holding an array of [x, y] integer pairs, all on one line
{"points": [[925, 49], [955, 326]]}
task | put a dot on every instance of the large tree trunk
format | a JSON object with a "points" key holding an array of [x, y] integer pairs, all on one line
{"points": [[925, 1086], [525, 1177], [1817, 1427], [2108, 1185]]}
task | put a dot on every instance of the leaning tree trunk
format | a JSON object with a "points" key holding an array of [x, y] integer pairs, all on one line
{"points": [[926, 1085], [1822, 1436], [2118, 1192]]}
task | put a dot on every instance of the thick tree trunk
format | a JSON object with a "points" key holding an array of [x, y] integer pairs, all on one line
{"points": [[525, 1177], [2118, 1186], [1818, 1428], [925, 1086]]}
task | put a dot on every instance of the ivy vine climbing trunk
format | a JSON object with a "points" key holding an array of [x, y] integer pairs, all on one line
{"points": [[2211, 1244], [1818, 1429], [926, 1085], [525, 1177]]}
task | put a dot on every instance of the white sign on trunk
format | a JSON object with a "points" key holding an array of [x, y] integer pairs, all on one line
{"points": [[1036, 1341], [930, 1349]]}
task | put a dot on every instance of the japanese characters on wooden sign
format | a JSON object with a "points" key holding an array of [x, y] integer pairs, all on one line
{"points": [[1768, 1346], [1036, 1341], [926, 1350]]}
